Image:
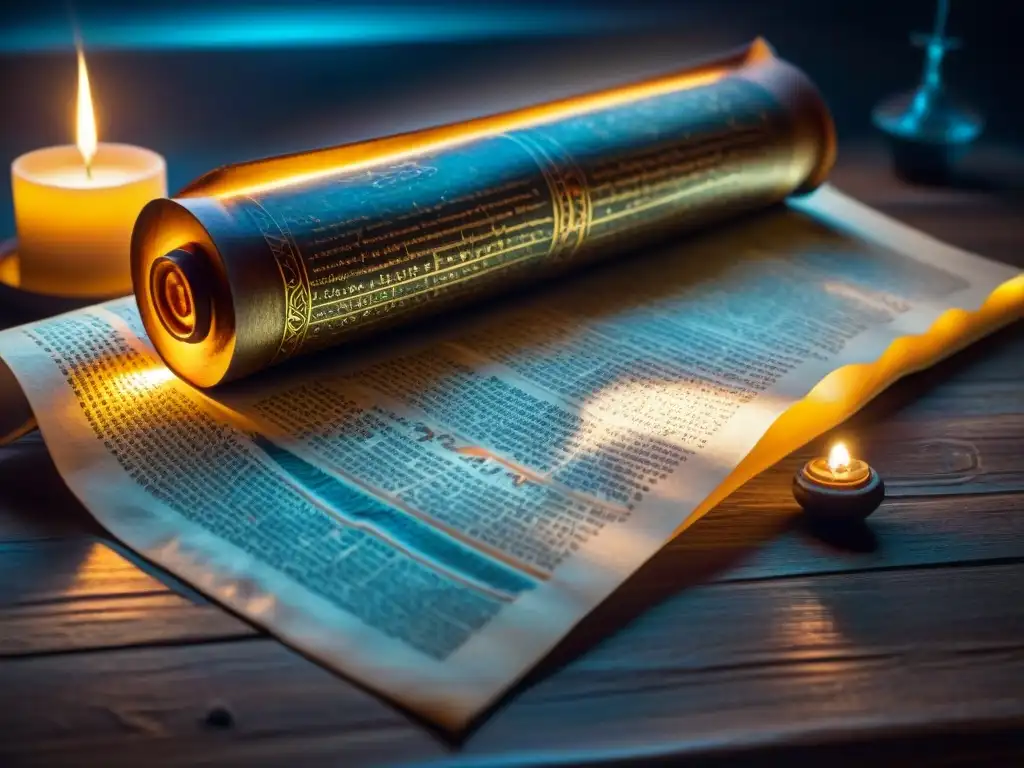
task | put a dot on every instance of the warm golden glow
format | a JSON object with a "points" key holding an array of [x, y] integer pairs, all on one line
{"points": [[273, 173], [85, 118], [839, 457], [146, 379], [291, 170]]}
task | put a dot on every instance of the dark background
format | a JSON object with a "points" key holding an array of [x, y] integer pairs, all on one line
{"points": [[206, 83]]}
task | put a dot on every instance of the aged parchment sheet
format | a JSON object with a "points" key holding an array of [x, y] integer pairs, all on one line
{"points": [[431, 511]]}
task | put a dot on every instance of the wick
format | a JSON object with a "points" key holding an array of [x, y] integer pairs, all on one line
{"points": [[88, 170], [840, 472]]}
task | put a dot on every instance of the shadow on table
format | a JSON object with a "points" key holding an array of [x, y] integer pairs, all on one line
{"points": [[34, 501], [37, 506]]}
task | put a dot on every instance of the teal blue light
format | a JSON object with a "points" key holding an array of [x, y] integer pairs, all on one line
{"points": [[297, 27]]}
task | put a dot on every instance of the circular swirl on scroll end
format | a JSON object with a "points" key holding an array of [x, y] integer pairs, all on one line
{"points": [[181, 291]]}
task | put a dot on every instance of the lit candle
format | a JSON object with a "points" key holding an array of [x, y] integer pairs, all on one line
{"points": [[75, 207], [838, 488]]}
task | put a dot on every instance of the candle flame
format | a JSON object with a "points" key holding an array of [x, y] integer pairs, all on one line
{"points": [[86, 118], [839, 457]]}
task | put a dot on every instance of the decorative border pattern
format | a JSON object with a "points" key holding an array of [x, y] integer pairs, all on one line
{"points": [[298, 300], [570, 196]]}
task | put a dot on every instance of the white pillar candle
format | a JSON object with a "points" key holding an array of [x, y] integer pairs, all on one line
{"points": [[74, 228]]}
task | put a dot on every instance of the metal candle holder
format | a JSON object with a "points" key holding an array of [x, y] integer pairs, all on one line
{"points": [[844, 493]]}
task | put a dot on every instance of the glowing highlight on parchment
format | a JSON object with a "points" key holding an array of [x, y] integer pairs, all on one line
{"points": [[149, 378]]}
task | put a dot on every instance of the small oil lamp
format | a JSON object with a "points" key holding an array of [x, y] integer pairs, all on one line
{"points": [[838, 489]]}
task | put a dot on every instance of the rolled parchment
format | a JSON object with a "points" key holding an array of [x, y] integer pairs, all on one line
{"points": [[256, 263]]}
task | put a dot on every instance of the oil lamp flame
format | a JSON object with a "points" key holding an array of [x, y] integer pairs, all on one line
{"points": [[86, 118], [839, 458], [838, 490]]}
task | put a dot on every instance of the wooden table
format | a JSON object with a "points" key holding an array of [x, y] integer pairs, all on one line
{"points": [[749, 639]]}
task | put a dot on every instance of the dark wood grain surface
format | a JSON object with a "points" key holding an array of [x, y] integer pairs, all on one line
{"points": [[749, 639]]}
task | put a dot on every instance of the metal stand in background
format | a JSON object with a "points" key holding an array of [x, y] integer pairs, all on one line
{"points": [[927, 129]]}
